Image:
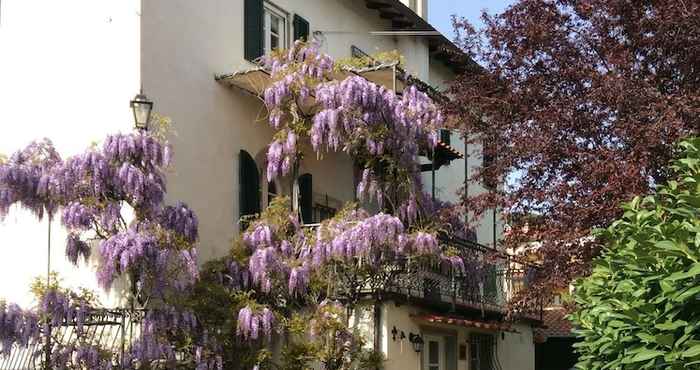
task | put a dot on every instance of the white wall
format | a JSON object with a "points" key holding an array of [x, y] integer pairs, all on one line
{"points": [[449, 179], [68, 70]]}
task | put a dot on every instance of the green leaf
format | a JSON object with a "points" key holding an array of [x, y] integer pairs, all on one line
{"points": [[694, 271], [689, 293], [671, 325], [665, 339], [644, 355], [692, 351]]}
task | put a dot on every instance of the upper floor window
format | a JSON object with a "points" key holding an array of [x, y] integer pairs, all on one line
{"points": [[275, 29], [267, 27]]}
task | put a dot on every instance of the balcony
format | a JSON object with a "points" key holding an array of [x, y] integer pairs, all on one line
{"points": [[490, 281]]}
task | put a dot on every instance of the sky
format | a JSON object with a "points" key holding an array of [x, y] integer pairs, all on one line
{"points": [[440, 12]]}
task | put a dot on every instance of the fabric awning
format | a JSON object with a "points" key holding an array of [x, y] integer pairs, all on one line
{"points": [[253, 81], [472, 324], [256, 80]]}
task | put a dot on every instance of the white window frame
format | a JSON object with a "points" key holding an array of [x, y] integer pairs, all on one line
{"points": [[270, 10]]}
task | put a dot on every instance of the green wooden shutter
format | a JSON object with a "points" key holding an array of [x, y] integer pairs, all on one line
{"points": [[249, 185], [253, 29], [301, 28], [445, 136], [489, 159], [306, 193]]}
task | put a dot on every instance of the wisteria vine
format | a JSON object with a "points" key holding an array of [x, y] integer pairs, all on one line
{"points": [[382, 130], [111, 201], [276, 264]]}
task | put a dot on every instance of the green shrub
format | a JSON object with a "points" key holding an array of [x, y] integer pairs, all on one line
{"points": [[640, 307]]}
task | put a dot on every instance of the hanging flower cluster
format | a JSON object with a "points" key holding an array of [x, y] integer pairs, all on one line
{"points": [[353, 115], [24, 179], [155, 247], [17, 327], [80, 356], [254, 325], [91, 189], [153, 343]]}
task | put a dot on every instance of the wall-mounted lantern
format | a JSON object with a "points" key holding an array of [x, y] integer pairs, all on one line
{"points": [[417, 342], [142, 107]]}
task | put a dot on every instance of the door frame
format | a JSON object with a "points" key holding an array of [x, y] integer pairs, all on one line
{"points": [[441, 351]]}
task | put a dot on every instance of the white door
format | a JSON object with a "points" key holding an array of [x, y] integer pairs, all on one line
{"points": [[433, 353]]}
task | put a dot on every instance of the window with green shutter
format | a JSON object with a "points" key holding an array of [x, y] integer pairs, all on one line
{"points": [[306, 195], [249, 185], [301, 28], [445, 136]]}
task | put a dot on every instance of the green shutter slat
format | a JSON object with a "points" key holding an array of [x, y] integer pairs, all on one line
{"points": [[306, 193], [301, 28], [253, 29], [249, 185]]}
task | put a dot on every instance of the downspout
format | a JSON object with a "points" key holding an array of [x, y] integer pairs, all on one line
{"points": [[466, 180], [432, 172], [377, 327], [48, 286]]}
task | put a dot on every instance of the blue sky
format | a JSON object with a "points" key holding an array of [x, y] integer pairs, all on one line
{"points": [[440, 11]]}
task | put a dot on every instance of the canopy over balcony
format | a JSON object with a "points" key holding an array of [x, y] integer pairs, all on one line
{"points": [[471, 324], [256, 80]]}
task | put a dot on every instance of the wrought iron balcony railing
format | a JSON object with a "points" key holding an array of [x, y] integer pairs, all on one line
{"points": [[490, 281]]}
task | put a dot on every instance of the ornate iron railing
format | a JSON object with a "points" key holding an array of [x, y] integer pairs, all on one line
{"points": [[490, 281], [111, 329]]}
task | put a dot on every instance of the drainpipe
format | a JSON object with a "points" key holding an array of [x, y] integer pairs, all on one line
{"points": [[377, 327], [48, 284], [466, 180], [432, 171]]}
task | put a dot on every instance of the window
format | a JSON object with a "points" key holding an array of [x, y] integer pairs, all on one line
{"points": [[481, 348], [275, 28], [322, 212], [266, 27], [271, 192], [248, 186], [445, 136]]}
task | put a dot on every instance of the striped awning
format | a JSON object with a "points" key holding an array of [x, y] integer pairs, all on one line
{"points": [[472, 324]]}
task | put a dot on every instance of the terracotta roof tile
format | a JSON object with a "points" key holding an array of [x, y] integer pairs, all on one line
{"points": [[555, 323]]}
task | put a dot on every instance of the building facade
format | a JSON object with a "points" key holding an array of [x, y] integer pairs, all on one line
{"points": [[69, 69]]}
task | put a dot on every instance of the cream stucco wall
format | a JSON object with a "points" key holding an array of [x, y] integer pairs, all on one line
{"points": [[68, 70], [516, 351], [449, 179]]}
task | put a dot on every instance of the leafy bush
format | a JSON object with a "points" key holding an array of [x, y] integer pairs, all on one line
{"points": [[640, 308]]}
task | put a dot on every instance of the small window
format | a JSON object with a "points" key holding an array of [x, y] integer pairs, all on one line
{"points": [[275, 28], [322, 213], [271, 192], [481, 351], [445, 136]]}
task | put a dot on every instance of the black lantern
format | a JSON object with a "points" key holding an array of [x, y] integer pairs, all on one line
{"points": [[417, 342], [142, 107]]}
